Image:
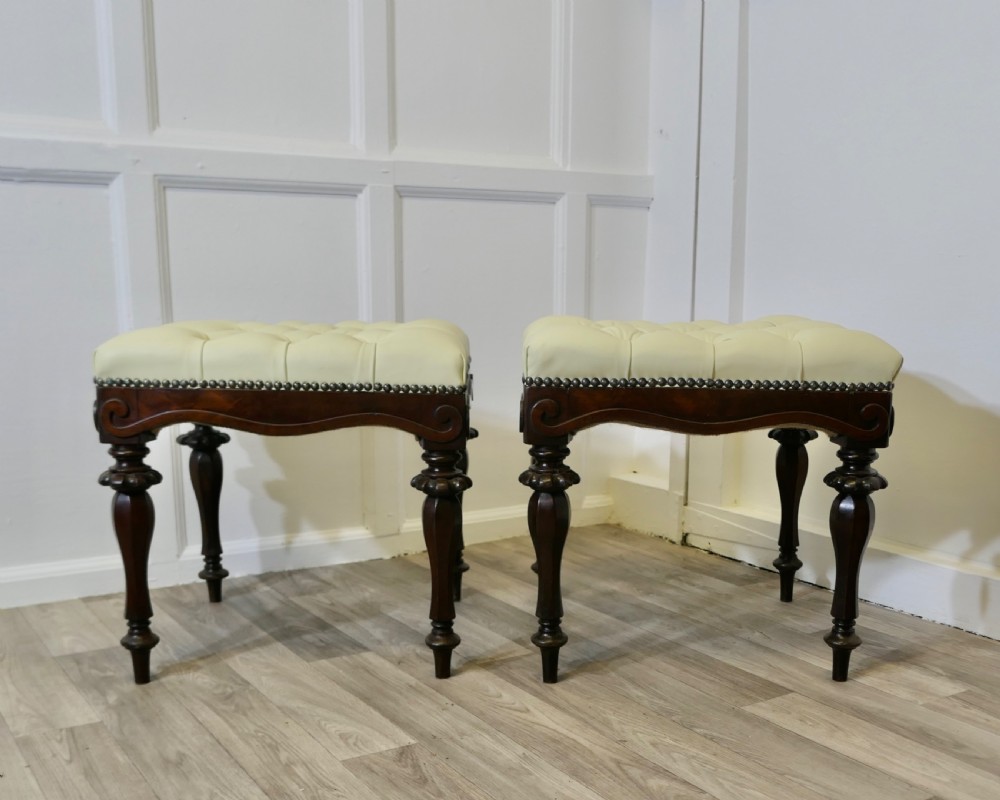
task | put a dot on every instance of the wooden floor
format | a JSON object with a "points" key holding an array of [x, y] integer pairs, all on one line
{"points": [[684, 678]]}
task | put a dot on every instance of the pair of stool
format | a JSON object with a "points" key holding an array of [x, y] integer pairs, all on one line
{"points": [[787, 373]]}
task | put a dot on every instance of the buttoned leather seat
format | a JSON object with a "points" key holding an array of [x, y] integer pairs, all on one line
{"points": [[775, 348], [787, 373], [290, 378], [421, 353]]}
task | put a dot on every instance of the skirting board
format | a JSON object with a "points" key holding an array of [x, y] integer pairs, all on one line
{"points": [[917, 582], [903, 578], [646, 505], [65, 580]]}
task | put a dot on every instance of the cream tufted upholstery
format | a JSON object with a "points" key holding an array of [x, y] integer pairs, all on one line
{"points": [[784, 348], [424, 352]]}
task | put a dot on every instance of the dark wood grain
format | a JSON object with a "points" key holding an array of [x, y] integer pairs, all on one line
{"points": [[206, 479], [791, 466], [865, 416], [128, 417], [122, 412], [857, 417]]}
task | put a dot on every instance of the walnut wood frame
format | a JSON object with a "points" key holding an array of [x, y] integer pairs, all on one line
{"points": [[858, 419], [128, 417]]}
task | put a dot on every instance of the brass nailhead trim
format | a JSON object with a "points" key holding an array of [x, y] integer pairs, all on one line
{"points": [[704, 383], [278, 386]]}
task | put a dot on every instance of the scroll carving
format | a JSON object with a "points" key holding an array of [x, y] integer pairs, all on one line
{"points": [[544, 413], [880, 418], [111, 414], [451, 420]]}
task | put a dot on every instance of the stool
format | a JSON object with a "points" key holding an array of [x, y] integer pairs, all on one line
{"points": [[287, 379], [782, 372]]}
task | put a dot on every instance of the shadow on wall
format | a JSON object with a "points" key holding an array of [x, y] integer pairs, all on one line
{"points": [[308, 493], [942, 465], [299, 484]]}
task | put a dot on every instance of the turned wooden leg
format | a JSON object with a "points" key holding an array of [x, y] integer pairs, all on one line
{"points": [[133, 516], [443, 483], [851, 520], [548, 522], [206, 478], [791, 466]]}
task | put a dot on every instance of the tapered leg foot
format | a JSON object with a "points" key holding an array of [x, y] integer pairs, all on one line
{"points": [[214, 586], [787, 567], [548, 522], [842, 639], [139, 641], [841, 663], [442, 640], [548, 640], [852, 518], [443, 483], [791, 466], [133, 516], [206, 478]]}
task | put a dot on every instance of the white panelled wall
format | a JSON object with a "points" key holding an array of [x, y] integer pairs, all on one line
{"points": [[847, 171], [314, 159], [490, 163]]}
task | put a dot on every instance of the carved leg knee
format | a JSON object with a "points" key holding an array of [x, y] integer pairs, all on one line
{"points": [[791, 466], [548, 521], [134, 517], [852, 518], [206, 478]]}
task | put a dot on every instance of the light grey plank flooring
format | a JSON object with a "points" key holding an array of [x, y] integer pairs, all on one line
{"points": [[684, 678]]}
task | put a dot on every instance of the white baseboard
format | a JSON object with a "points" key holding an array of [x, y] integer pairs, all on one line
{"points": [[504, 522], [65, 580], [927, 584], [646, 505], [916, 581], [920, 582], [61, 580]]}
